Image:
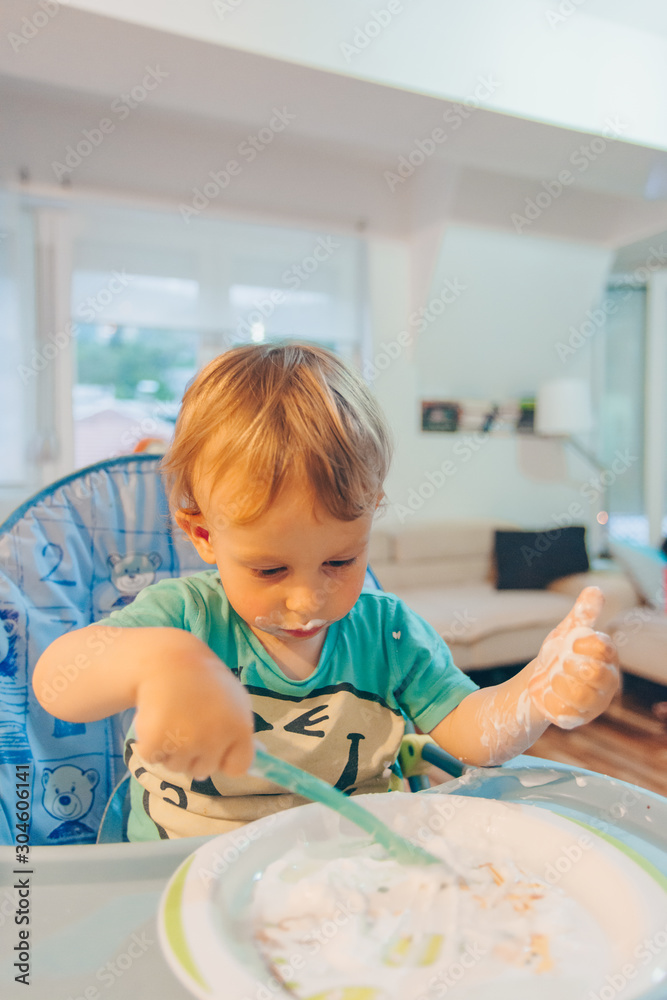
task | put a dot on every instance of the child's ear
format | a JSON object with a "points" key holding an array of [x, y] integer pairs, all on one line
{"points": [[195, 528]]}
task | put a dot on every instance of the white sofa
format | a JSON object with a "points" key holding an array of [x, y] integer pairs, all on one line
{"points": [[641, 633], [641, 638], [444, 571]]}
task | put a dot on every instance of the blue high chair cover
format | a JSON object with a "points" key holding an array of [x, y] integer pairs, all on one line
{"points": [[68, 557]]}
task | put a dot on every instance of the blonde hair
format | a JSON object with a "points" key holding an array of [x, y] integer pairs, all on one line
{"points": [[267, 413]]}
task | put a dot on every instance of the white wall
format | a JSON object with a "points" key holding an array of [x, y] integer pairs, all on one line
{"points": [[497, 340], [521, 296]]}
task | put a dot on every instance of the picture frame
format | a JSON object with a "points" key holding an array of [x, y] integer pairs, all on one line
{"points": [[440, 415]]}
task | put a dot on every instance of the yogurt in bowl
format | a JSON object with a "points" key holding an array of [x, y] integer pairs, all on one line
{"points": [[365, 923]]}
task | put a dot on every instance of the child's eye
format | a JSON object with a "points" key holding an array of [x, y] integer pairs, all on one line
{"points": [[337, 563], [266, 573]]}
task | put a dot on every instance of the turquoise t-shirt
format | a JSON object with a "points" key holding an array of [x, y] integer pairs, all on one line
{"points": [[343, 723]]}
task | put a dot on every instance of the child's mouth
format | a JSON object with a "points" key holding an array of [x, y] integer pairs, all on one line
{"points": [[305, 631]]}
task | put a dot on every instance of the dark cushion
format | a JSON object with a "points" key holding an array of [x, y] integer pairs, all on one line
{"points": [[529, 560]]}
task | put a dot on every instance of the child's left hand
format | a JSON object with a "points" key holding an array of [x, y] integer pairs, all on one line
{"points": [[575, 673]]}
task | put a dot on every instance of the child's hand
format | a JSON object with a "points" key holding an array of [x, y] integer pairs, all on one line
{"points": [[195, 717], [575, 673]]}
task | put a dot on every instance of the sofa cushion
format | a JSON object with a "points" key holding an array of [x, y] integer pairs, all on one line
{"points": [[421, 573], [445, 539], [469, 613], [532, 559], [619, 594], [499, 650], [444, 553], [646, 567], [641, 637]]}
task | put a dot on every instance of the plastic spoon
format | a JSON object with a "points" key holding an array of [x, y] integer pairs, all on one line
{"points": [[294, 779]]}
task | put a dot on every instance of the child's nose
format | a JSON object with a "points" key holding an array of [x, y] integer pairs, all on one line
{"points": [[303, 599]]}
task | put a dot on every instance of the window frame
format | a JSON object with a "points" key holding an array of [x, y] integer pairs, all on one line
{"points": [[53, 224], [655, 408]]}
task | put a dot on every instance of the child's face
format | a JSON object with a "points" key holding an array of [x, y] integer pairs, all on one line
{"points": [[290, 573]]}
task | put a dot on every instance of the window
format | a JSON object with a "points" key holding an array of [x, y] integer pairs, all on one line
{"points": [[128, 386], [634, 408], [622, 410], [131, 303], [19, 366]]}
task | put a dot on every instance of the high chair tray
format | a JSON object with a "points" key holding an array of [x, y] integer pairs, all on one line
{"points": [[94, 907], [208, 922]]}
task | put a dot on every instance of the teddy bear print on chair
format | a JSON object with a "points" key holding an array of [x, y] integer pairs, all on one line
{"points": [[81, 547]]}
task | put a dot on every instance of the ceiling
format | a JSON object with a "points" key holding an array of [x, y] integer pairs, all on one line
{"points": [[646, 15], [80, 60]]}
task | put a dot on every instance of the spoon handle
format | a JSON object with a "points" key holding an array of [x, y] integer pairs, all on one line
{"points": [[295, 780]]}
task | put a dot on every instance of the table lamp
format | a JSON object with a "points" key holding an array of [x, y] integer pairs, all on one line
{"points": [[563, 408]]}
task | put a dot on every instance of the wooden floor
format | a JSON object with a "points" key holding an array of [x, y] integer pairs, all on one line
{"points": [[627, 741]]}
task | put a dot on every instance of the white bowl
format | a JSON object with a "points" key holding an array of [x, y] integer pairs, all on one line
{"points": [[205, 928]]}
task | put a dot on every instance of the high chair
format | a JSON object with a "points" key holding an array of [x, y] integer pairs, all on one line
{"points": [[69, 556], [82, 547]]}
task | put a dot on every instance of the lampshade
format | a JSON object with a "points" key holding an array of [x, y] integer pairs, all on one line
{"points": [[563, 407]]}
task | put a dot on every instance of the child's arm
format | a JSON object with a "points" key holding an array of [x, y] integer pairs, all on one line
{"points": [[192, 714], [572, 679]]}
